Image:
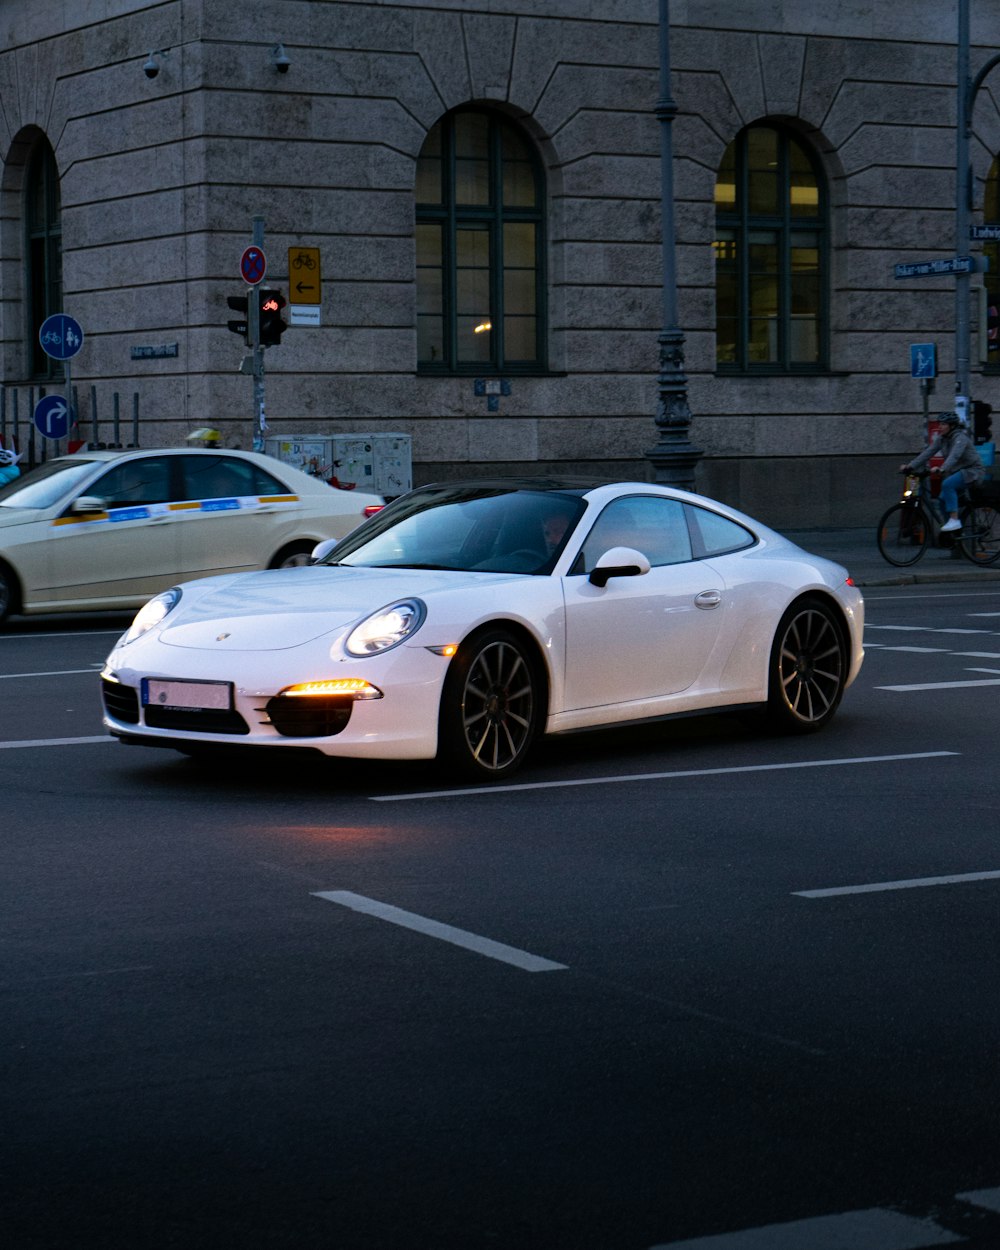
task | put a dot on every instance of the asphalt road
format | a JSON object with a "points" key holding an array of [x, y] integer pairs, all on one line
{"points": [[679, 986]]}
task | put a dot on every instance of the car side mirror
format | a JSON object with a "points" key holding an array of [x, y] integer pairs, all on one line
{"points": [[87, 503], [618, 562], [323, 549]]}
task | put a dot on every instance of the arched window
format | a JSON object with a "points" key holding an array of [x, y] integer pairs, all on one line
{"points": [[770, 255], [43, 252], [480, 195]]}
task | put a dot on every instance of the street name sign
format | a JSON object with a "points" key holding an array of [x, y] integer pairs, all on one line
{"points": [[984, 232], [924, 268]]}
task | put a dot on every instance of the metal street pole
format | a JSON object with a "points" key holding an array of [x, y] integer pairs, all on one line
{"points": [[962, 196], [253, 333], [673, 458]]}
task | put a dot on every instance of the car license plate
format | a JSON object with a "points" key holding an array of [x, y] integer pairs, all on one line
{"points": [[207, 695]]}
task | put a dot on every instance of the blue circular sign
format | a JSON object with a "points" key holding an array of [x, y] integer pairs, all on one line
{"points": [[60, 336], [253, 265], [53, 417]]}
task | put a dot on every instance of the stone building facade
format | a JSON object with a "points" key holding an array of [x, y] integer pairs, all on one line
{"points": [[463, 164]]}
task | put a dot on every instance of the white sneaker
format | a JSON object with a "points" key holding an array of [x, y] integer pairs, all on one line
{"points": [[950, 526]]}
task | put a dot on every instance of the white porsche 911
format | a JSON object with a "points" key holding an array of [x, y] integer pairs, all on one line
{"points": [[465, 619]]}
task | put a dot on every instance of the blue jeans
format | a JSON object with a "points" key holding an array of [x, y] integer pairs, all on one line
{"points": [[950, 486]]}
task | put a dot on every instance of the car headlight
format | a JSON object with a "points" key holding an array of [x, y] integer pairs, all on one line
{"points": [[150, 615], [386, 628]]}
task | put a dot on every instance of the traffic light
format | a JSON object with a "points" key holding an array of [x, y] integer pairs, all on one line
{"points": [[238, 303], [982, 424], [272, 325]]}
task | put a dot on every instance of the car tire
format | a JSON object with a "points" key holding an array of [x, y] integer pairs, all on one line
{"points": [[490, 707], [293, 556], [8, 594], [808, 668]]}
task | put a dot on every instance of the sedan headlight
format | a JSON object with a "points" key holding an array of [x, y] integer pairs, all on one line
{"points": [[150, 615], [386, 628]]}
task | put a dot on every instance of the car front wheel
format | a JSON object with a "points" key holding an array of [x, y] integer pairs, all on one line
{"points": [[490, 706], [808, 668], [294, 555], [6, 594]]}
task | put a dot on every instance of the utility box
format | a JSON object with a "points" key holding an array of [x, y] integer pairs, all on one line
{"points": [[380, 463]]}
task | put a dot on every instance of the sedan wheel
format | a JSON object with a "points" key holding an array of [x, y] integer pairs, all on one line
{"points": [[6, 595], [808, 668], [490, 706], [294, 556]]}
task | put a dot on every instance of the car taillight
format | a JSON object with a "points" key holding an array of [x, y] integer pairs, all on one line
{"points": [[372, 509], [849, 581]]}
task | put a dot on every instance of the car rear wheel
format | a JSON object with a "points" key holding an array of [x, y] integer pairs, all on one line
{"points": [[294, 555], [490, 706], [6, 594], [808, 668]]}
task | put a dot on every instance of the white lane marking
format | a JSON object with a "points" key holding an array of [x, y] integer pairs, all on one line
{"points": [[445, 932], [55, 672], [978, 655], [688, 772], [989, 1199], [995, 671], [53, 742], [912, 650], [941, 685], [914, 883], [983, 614], [874, 1229], [926, 629]]}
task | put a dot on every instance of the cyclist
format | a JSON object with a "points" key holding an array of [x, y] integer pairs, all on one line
{"points": [[8, 466], [962, 466]]}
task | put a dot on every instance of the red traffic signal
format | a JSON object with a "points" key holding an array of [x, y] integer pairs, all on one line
{"points": [[272, 324]]}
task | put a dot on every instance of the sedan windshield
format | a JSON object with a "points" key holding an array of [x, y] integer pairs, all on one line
{"points": [[484, 529], [45, 485]]}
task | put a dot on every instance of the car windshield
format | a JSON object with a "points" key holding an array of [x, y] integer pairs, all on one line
{"points": [[45, 485], [474, 528]]}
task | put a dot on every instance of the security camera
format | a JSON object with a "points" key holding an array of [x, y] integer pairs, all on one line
{"points": [[279, 58], [151, 68]]}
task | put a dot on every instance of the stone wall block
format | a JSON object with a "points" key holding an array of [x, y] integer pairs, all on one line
{"points": [[592, 131], [489, 44], [439, 41], [543, 43], [737, 52], [781, 59], [614, 176]]}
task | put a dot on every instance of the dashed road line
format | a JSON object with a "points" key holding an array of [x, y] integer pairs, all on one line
{"points": [[443, 932], [32, 743], [489, 790], [912, 883]]}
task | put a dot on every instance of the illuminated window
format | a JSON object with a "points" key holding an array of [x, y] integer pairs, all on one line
{"points": [[480, 248], [770, 255], [43, 253]]}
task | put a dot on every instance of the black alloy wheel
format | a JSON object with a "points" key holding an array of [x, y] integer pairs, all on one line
{"points": [[808, 668], [490, 706]]}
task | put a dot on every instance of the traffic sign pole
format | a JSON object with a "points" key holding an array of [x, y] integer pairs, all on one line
{"points": [[253, 323]]}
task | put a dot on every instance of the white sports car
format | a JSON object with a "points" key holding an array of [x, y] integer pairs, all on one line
{"points": [[467, 618]]}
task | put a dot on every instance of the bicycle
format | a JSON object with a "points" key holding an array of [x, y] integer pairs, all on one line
{"points": [[909, 527]]}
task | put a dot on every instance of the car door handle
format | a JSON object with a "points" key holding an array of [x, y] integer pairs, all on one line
{"points": [[708, 599]]}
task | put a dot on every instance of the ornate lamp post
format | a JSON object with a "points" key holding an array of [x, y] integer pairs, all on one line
{"points": [[673, 458]]}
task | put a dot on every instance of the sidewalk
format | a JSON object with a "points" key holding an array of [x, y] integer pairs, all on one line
{"points": [[858, 552]]}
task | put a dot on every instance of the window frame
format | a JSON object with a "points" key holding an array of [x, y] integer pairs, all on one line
{"points": [[492, 216], [743, 224]]}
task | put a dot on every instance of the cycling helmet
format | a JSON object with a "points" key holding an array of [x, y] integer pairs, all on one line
{"points": [[7, 458], [950, 418]]}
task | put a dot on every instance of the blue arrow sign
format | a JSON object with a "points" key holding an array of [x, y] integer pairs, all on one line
{"points": [[52, 417], [60, 336]]}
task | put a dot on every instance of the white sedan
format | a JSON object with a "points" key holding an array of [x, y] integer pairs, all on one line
{"points": [[106, 530], [465, 619]]}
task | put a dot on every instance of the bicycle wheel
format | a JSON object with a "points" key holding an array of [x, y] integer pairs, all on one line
{"points": [[981, 534], [903, 534]]}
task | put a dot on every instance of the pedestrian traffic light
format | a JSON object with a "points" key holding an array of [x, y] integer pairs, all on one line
{"points": [[272, 325], [238, 303], [982, 423]]}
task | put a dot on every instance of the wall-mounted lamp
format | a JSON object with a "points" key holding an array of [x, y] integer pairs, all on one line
{"points": [[279, 58], [152, 66]]}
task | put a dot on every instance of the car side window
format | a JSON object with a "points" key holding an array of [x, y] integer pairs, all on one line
{"points": [[716, 535], [217, 477], [142, 481], [648, 523], [265, 484]]}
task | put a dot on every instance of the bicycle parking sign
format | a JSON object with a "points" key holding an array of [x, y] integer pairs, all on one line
{"points": [[60, 336]]}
